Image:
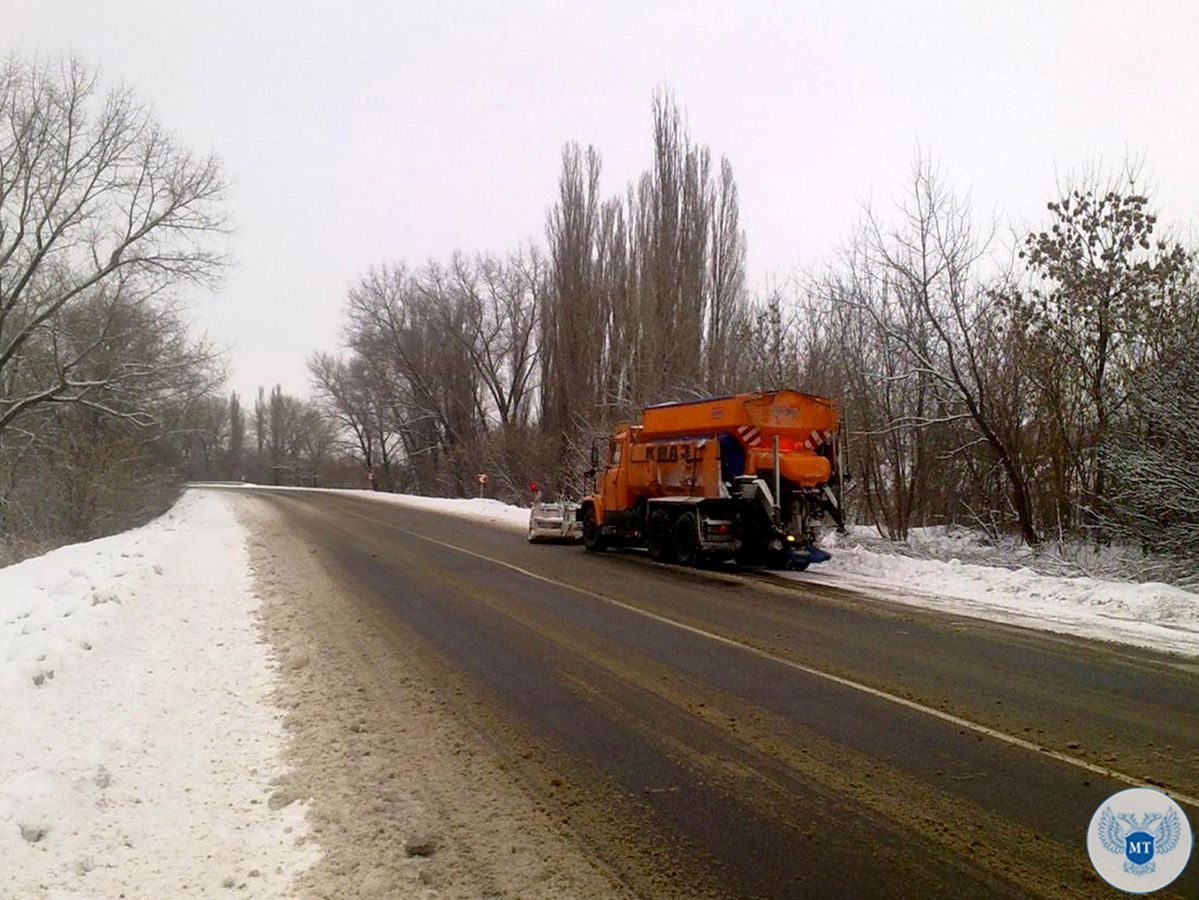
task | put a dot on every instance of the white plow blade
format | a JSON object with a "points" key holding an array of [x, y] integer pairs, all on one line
{"points": [[555, 522]]}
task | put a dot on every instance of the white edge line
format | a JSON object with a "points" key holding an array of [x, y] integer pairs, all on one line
{"points": [[976, 727]]}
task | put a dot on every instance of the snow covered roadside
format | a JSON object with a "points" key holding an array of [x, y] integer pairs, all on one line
{"points": [[137, 743], [1150, 614], [480, 509]]}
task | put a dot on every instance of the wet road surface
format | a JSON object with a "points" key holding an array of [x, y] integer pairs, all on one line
{"points": [[725, 735]]}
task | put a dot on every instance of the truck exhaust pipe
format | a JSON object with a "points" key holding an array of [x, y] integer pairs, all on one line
{"points": [[778, 500]]}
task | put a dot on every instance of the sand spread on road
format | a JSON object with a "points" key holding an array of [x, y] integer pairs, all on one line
{"points": [[404, 799]]}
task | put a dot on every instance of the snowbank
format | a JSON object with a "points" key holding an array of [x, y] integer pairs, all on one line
{"points": [[481, 509], [137, 746], [493, 512], [1148, 614]]}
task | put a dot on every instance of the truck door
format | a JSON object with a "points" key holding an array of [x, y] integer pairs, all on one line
{"points": [[614, 480]]}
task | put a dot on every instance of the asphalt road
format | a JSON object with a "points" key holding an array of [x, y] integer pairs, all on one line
{"points": [[725, 735]]}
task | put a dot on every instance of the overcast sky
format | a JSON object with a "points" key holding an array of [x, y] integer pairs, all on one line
{"points": [[386, 130]]}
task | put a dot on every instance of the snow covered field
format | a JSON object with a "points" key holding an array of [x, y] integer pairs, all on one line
{"points": [[137, 743], [1149, 614]]}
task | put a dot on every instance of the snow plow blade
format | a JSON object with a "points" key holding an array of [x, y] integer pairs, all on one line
{"points": [[800, 559], [555, 523]]}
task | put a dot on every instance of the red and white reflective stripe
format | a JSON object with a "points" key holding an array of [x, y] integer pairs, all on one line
{"points": [[749, 434], [816, 438]]}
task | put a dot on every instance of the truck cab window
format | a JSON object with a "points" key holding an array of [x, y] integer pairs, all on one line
{"points": [[614, 453]]}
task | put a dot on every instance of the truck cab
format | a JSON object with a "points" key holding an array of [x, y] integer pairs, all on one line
{"points": [[614, 484]]}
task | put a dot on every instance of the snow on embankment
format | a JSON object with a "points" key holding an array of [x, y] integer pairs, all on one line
{"points": [[137, 745], [480, 509], [1150, 614]]}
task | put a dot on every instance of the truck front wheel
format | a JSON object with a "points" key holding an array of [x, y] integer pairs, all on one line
{"points": [[592, 539]]}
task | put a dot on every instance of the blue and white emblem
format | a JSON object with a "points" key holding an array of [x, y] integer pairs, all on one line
{"points": [[1139, 840]]}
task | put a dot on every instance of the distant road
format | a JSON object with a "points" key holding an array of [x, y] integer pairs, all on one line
{"points": [[711, 734]]}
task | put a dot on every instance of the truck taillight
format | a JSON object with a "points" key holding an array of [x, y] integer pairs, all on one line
{"points": [[719, 528]]}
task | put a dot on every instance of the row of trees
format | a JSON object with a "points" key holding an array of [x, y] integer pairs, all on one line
{"points": [[510, 365], [1032, 385], [1008, 387], [107, 403], [645, 291], [1044, 385], [282, 440], [103, 217]]}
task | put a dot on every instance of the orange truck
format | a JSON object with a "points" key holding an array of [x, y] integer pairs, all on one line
{"points": [[743, 477]]}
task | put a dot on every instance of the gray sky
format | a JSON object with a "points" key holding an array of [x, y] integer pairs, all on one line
{"points": [[361, 132]]}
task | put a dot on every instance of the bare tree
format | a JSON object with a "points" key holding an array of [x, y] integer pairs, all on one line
{"points": [[952, 331], [99, 208], [674, 203], [726, 280], [573, 318], [210, 436], [645, 292], [72, 470], [1153, 456], [400, 326], [260, 421], [351, 397], [497, 303], [237, 435]]}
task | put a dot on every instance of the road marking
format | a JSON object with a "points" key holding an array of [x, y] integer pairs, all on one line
{"points": [[976, 727]]}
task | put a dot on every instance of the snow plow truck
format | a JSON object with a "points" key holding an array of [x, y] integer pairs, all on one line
{"points": [[742, 478]]}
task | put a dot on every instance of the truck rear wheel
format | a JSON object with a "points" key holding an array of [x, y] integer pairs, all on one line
{"points": [[592, 539], [659, 537], [686, 540]]}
